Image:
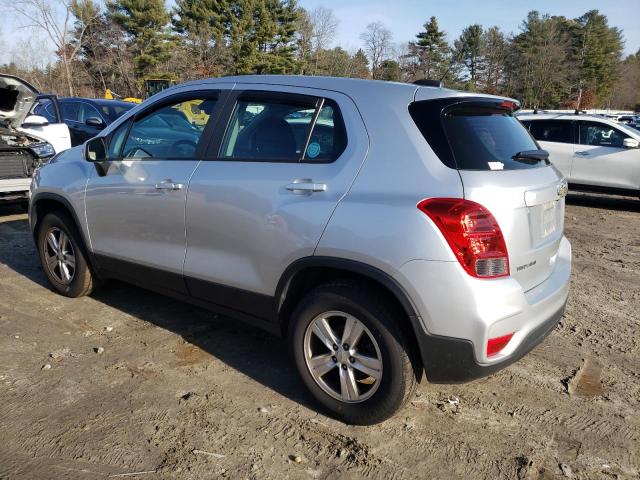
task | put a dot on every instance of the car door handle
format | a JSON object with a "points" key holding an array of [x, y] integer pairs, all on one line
{"points": [[169, 185], [306, 186], [582, 154]]}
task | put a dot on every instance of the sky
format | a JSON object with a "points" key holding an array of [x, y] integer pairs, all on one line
{"points": [[404, 18]]}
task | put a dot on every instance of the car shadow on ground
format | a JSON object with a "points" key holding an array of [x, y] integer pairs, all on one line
{"points": [[249, 350], [607, 202]]}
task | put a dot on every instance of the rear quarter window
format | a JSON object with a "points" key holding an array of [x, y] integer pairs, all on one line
{"points": [[474, 134]]}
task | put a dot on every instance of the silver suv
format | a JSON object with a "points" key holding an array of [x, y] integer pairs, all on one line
{"points": [[387, 230]]}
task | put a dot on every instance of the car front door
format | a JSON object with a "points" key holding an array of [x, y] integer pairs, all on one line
{"points": [[135, 202], [602, 160], [263, 197], [558, 138]]}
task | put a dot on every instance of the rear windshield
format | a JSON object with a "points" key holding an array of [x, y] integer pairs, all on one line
{"points": [[475, 134]]}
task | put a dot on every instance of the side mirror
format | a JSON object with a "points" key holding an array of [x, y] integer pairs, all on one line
{"points": [[95, 150], [35, 121], [94, 122], [630, 143]]}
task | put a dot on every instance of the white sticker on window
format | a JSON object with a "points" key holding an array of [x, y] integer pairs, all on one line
{"points": [[496, 165]]}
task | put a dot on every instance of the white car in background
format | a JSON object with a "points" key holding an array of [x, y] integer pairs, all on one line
{"points": [[593, 153], [26, 140]]}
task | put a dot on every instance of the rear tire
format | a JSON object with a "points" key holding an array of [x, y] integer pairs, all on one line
{"points": [[63, 256], [366, 382]]}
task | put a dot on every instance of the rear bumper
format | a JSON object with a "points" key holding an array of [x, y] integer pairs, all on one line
{"points": [[458, 314], [452, 360]]}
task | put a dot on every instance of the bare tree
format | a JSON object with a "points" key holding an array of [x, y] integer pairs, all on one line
{"points": [[377, 43], [324, 25], [55, 19]]}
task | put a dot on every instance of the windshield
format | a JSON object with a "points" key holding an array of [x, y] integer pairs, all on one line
{"points": [[629, 129], [479, 135]]}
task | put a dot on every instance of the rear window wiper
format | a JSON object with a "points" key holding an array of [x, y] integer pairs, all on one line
{"points": [[531, 156]]}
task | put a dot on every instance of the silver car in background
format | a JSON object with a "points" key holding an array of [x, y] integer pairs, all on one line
{"points": [[594, 153], [387, 230]]}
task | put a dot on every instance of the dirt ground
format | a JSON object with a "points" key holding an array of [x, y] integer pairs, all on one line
{"points": [[179, 392]]}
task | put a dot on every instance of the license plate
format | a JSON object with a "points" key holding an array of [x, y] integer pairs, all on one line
{"points": [[548, 218]]}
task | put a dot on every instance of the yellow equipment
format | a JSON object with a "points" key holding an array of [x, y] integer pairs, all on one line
{"points": [[111, 95]]}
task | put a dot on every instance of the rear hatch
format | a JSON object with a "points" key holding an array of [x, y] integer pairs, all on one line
{"points": [[502, 169]]}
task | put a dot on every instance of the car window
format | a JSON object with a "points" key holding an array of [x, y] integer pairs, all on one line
{"points": [[600, 134], [113, 112], [551, 131], [69, 111], [86, 110], [168, 132], [275, 129], [328, 138], [117, 139], [44, 108]]}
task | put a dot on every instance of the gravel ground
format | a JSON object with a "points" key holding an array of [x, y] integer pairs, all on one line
{"points": [[179, 392]]}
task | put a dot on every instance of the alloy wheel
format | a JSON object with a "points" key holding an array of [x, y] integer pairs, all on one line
{"points": [[343, 356], [59, 255]]}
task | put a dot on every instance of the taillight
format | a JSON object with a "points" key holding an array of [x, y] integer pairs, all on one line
{"points": [[495, 345], [472, 233]]}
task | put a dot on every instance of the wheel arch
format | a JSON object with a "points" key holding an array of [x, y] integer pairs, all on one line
{"points": [[307, 273], [45, 202]]}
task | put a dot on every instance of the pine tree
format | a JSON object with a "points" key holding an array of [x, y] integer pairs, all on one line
{"points": [[202, 25], [360, 65], [145, 21], [597, 52], [468, 50], [429, 56]]}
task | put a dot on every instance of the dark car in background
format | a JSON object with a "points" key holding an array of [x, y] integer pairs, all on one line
{"points": [[86, 117]]}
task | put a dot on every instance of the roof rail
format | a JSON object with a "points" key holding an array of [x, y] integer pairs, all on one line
{"points": [[428, 82], [579, 112]]}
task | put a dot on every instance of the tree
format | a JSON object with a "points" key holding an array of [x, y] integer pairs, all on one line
{"points": [[390, 70], [54, 18], [359, 65], [495, 53], [626, 92], [202, 25], [104, 53], [377, 43], [304, 41], [145, 21], [324, 25], [429, 56], [469, 48], [597, 53], [262, 36], [538, 62]]}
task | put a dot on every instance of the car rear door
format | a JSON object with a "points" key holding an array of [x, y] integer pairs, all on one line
{"points": [[558, 138], [135, 203], [263, 197], [602, 160]]}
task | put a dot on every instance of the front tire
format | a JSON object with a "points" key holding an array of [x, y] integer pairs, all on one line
{"points": [[351, 354], [63, 256]]}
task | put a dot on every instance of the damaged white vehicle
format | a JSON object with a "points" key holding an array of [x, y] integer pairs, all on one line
{"points": [[26, 140]]}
